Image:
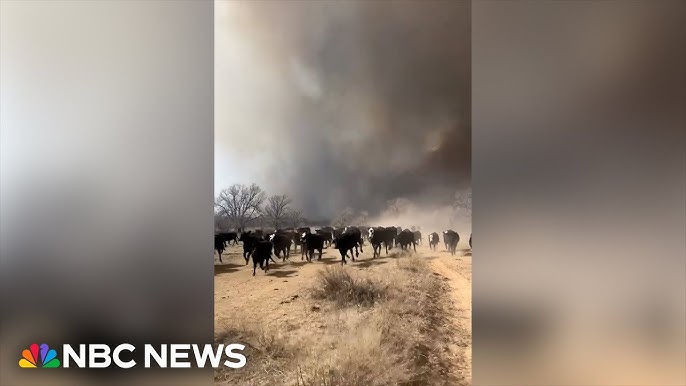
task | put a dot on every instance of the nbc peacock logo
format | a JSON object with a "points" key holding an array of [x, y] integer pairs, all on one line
{"points": [[31, 359]]}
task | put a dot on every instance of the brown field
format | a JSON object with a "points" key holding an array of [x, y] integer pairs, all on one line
{"points": [[401, 319]]}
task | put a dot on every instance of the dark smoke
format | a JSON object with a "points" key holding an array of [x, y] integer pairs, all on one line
{"points": [[346, 104]]}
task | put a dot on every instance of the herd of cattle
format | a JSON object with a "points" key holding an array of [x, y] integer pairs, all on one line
{"points": [[260, 245]]}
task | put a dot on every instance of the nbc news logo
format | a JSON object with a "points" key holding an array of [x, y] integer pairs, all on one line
{"points": [[31, 359], [102, 356]]}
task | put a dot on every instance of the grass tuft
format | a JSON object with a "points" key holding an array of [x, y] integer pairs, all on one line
{"points": [[338, 285]]}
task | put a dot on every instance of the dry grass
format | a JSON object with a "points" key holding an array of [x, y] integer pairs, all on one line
{"points": [[387, 328], [267, 353], [338, 285]]}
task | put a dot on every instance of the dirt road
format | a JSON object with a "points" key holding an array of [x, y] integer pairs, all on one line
{"points": [[458, 274], [279, 301]]}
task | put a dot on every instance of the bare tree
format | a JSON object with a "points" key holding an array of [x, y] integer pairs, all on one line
{"points": [[344, 217], [295, 219], [240, 203], [276, 210]]}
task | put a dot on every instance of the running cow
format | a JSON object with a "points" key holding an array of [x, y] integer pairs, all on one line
{"points": [[405, 238], [356, 235], [417, 237], [249, 241], [378, 236], [282, 244], [344, 243], [326, 234], [228, 237], [219, 246], [433, 241], [451, 238], [312, 242], [261, 256]]}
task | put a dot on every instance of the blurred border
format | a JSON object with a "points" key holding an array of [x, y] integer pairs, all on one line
{"points": [[578, 178], [107, 171]]}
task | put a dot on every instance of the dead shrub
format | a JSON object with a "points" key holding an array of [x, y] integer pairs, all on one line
{"points": [[338, 285]]}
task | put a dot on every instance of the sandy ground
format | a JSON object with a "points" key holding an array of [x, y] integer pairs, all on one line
{"points": [[278, 299]]}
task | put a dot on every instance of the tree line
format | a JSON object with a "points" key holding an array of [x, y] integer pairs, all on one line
{"points": [[242, 206]]}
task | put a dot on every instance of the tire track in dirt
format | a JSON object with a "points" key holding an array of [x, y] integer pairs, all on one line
{"points": [[461, 296]]}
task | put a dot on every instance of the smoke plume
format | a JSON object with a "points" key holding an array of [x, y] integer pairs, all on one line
{"points": [[344, 104]]}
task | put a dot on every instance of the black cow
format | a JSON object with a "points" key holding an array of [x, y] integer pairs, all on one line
{"points": [[398, 230], [249, 240], [417, 237], [282, 244], [261, 255], [357, 236], [327, 235], [219, 246], [391, 236], [228, 237], [378, 236], [302, 230], [312, 242], [337, 232], [434, 239], [405, 238], [344, 243], [374, 237], [451, 238]]}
